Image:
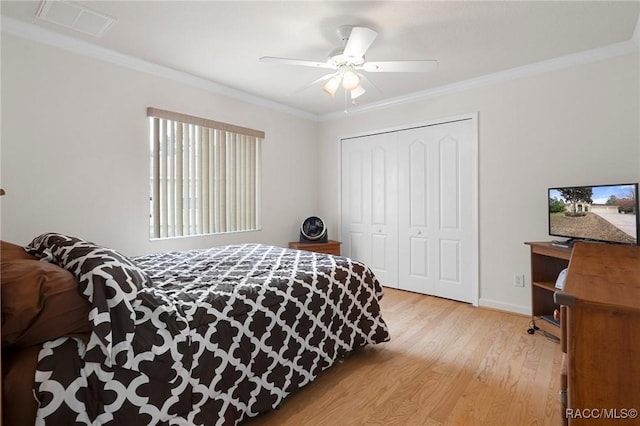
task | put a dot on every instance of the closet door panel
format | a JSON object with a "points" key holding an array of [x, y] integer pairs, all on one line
{"points": [[379, 184], [450, 261], [449, 183], [355, 242], [419, 251], [455, 228], [435, 191], [383, 225], [418, 184], [379, 244], [416, 210], [354, 189], [369, 200], [355, 202]]}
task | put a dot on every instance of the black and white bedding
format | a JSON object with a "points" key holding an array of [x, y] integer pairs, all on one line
{"points": [[200, 337]]}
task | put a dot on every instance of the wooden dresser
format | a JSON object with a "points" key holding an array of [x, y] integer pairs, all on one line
{"points": [[330, 247], [600, 326]]}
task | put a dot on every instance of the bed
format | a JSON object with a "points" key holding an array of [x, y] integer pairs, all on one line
{"points": [[210, 336]]}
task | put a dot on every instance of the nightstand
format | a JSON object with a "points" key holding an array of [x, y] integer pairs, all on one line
{"points": [[330, 247]]}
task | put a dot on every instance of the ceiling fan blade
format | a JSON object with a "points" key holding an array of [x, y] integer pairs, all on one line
{"points": [[401, 66], [359, 41], [369, 82], [315, 82], [323, 78], [300, 62]]}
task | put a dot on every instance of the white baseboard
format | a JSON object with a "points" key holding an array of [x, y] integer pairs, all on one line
{"points": [[508, 307]]}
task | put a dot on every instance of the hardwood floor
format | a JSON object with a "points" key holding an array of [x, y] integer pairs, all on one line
{"points": [[447, 363]]}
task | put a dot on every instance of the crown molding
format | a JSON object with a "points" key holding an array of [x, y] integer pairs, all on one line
{"points": [[580, 58], [32, 32]]}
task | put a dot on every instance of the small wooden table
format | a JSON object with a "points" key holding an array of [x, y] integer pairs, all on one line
{"points": [[330, 247], [547, 261]]}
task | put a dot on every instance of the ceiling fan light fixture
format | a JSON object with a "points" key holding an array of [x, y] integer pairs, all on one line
{"points": [[348, 60], [332, 85], [350, 80]]}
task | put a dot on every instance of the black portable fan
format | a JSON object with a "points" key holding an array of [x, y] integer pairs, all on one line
{"points": [[313, 230]]}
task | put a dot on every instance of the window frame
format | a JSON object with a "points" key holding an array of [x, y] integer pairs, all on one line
{"points": [[205, 176]]}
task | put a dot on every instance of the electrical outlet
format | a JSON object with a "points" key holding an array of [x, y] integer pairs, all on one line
{"points": [[518, 280]]}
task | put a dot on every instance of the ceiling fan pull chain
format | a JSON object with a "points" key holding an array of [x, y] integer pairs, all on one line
{"points": [[346, 101]]}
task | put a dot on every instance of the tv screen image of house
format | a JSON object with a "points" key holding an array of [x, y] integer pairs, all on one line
{"points": [[607, 213]]}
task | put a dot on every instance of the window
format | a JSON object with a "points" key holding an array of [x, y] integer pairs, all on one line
{"points": [[205, 176]]}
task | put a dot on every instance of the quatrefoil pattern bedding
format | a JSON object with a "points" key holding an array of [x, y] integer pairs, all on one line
{"points": [[200, 337]]}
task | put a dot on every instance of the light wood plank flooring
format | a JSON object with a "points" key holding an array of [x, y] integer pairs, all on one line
{"points": [[447, 363]]}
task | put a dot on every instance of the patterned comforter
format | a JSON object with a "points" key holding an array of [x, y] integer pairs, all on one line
{"points": [[200, 337]]}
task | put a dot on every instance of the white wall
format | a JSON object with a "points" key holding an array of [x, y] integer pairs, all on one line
{"points": [[579, 125], [75, 151]]}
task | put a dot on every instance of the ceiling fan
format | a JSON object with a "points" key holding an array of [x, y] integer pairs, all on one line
{"points": [[348, 61]]}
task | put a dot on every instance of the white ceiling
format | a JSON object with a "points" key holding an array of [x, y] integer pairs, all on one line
{"points": [[222, 41]]}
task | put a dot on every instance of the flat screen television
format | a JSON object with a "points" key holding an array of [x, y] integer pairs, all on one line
{"points": [[604, 213]]}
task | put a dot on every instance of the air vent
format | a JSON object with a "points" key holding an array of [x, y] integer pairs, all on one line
{"points": [[75, 17]]}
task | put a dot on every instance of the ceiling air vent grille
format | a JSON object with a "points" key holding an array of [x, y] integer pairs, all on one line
{"points": [[75, 17]]}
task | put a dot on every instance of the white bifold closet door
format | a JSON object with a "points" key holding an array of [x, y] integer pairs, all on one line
{"points": [[409, 207], [369, 205]]}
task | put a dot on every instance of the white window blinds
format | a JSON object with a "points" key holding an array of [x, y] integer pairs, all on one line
{"points": [[205, 176]]}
